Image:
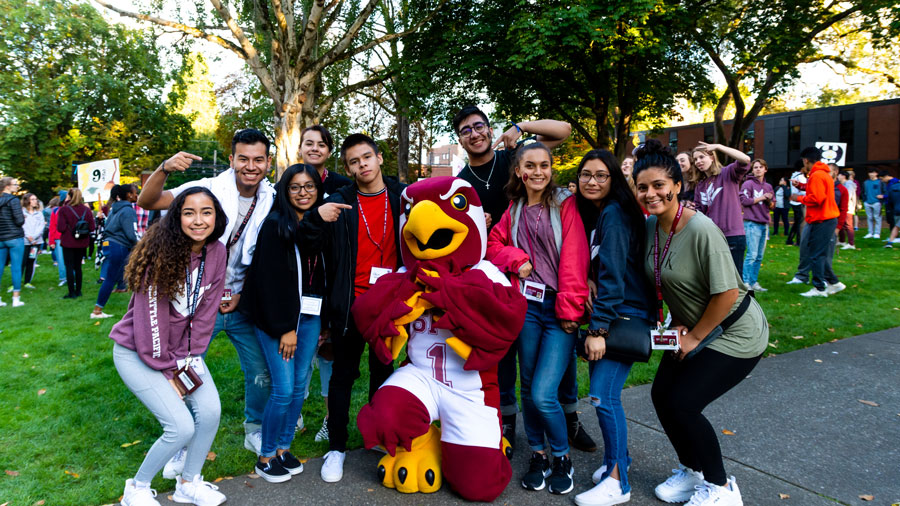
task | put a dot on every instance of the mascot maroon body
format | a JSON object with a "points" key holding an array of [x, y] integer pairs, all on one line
{"points": [[458, 315]]}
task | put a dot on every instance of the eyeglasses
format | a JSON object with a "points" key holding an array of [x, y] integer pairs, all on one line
{"points": [[295, 188], [467, 131], [585, 177]]}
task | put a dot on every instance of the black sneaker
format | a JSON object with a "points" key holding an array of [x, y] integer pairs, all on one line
{"points": [[509, 432], [538, 469], [272, 471], [291, 463], [578, 438], [560, 480]]}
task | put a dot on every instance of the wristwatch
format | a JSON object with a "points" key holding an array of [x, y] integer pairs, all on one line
{"points": [[598, 333]]}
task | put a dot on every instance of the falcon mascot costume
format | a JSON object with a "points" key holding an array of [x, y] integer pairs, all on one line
{"points": [[458, 315]]}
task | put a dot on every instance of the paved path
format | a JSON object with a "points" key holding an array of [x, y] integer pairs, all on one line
{"points": [[799, 429]]}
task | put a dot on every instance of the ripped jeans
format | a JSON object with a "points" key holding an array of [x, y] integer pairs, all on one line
{"points": [[257, 381], [607, 379]]}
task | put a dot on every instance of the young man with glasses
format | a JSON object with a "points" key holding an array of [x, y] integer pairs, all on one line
{"points": [[487, 172]]}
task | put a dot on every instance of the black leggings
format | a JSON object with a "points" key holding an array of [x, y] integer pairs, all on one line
{"points": [[781, 215], [680, 393], [72, 258]]}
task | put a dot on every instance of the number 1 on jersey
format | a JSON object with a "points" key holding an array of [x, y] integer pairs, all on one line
{"points": [[438, 355]]}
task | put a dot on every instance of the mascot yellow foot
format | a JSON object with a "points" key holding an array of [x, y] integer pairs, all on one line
{"points": [[418, 470]]}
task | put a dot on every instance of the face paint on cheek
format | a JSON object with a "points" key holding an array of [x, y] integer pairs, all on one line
{"points": [[524, 178], [670, 196]]}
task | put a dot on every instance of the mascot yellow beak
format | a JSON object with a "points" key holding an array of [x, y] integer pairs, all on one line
{"points": [[429, 233]]}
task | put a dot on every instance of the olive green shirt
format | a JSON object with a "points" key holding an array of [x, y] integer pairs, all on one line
{"points": [[697, 266]]}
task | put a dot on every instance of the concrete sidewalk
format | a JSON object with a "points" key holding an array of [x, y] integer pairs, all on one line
{"points": [[799, 429]]}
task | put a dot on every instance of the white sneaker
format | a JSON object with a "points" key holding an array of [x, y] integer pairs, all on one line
{"points": [[598, 474], [2, 304], [199, 492], [17, 302], [253, 441], [796, 281], [848, 246], [835, 288], [680, 486], [175, 465], [758, 288], [299, 424], [607, 493], [138, 496], [814, 292], [62, 282], [709, 495], [100, 315], [333, 467], [868, 236]]}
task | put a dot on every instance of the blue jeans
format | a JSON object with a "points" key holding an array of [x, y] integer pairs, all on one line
{"points": [[116, 258], [607, 379], [288, 383], [15, 250], [506, 379], [544, 354], [58, 258], [756, 246], [257, 381]]}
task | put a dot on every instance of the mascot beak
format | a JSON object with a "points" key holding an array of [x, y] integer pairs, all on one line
{"points": [[429, 233]]}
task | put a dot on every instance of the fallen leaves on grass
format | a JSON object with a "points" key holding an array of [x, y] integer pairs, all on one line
{"points": [[727, 432], [217, 480], [42, 391], [126, 445], [867, 497], [73, 475], [40, 503], [12, 473], [830, 329], [797, 337], [25, 355], [773, 345], [859, 325], [869, 403], [782, 274], [211, 456], [784, 496], [97, 324]]}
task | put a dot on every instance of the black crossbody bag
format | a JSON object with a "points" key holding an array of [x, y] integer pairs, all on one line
{"points": [[628, 340]]}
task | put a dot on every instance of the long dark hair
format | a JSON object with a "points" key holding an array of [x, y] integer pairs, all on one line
{"points": [[282, 210], [164, 253], [619, 191], [515, 187]]}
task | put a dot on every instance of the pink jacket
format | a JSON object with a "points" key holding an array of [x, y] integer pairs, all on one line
{"points": [[571, 300]]}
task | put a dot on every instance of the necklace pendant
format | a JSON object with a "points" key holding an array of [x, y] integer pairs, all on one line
{"points": [[487, 186]]}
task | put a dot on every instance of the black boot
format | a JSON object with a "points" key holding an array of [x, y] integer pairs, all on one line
{"points": [[578, 438], [509, 432]]}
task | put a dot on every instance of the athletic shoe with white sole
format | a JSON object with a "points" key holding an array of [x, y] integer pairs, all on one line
{"points": [[199, 492], [607, 493], [100, 315], [680, 486], [796, 281], [714, 495], [814, 292], [538, 471], [758, 288], [598, 474], [291, 463], [272, 471], [848, 246], [253, 441], [560, 481], [333, 467], [17, 303], [175, 465], [135, 495], [300, 425], [835, 288]]}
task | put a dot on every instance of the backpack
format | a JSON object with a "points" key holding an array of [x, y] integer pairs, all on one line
{"points": [[82, 228]]}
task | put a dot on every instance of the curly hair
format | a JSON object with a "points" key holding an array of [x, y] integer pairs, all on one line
{"points": [[164, 253]]}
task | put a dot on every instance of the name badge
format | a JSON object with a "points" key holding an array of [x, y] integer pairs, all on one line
{"points": [[311, 305], [665, 340], [377, 272], [534, 291], [226, 295], [33, 252], [196, 364]]}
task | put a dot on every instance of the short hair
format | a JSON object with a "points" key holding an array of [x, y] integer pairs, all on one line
{"points": [[883, 173], [811, 153], [653, 154], [844, 173], [761, 162], [873, 169], [326, 135], [249, 136], [356, 140], [464, 113]]}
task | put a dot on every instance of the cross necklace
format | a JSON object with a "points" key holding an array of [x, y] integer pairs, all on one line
{"points": [[487, 183]]}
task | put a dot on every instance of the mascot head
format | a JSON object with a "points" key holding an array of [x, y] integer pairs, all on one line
{"points": [[442, 221]]}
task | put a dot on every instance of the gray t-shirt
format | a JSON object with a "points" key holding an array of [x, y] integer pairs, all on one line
{"points": [[698, 266]]}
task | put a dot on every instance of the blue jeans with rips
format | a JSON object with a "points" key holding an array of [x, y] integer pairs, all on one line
{"points": [[607, 379], [15, 250], [257, 381]]}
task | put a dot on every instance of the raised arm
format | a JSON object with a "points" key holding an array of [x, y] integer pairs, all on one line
{"points": [[152, 195], [549, 131]]}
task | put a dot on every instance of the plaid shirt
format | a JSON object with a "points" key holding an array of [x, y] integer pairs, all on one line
{"points": [[143, 217]]}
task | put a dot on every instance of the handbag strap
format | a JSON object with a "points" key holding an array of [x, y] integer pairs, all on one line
{"points": [[741, 309]]}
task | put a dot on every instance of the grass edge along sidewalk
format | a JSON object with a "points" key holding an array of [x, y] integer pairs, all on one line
{"points": [[72, 433]]}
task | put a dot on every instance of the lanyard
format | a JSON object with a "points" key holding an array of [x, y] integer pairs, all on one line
{"points": [[657, 258], [324, 175], [528, 232], [192, 305], [366, 223], [237, 234], [312, 269]]}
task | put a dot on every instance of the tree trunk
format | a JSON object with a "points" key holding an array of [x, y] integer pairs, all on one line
{"points": [[288, 127], [719, 116], [623, 129], [403, 147]]}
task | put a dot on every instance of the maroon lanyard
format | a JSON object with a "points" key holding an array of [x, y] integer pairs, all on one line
{"points": [[537, 224], [324, 175], [657, 258], [312, 269], [384, 228], [237, 235]]}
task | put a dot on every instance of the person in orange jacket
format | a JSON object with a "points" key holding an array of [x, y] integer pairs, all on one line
{"points": [[821, 216]]}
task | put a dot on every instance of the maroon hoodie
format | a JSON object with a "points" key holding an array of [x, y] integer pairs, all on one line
{"points": [[157, 328]]}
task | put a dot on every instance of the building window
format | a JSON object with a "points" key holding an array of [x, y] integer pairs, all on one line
{"points": [[708, 136], [794, 133], [673, 139], [749, 144]]}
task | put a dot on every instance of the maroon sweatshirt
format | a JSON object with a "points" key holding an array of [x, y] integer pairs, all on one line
{"points": [[157, 328], [67, 217]]}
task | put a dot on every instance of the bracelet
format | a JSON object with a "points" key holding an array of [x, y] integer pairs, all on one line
{"points": [[162, 167], [598, 333], [517, 127]]}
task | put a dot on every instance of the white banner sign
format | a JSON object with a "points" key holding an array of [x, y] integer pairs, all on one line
{"points": [[96, 179], [833, 152]]}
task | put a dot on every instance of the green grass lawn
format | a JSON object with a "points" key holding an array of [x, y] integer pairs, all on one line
{"points": [[67, 415]]}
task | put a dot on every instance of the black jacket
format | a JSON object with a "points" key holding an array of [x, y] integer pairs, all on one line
{"points": [[11, 217], [270, 297], [341, 253]]}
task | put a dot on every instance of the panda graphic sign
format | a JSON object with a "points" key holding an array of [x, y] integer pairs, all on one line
{"points": [[833, 152]]}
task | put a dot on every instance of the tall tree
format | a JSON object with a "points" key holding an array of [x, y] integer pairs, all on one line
{"points": [[289, 46]]}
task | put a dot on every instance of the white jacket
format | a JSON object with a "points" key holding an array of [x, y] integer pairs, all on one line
{"points": [[34, 226]]}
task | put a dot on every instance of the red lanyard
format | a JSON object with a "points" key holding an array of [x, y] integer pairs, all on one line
{"points": [[537, 223], [237, 235], [312, 269], [384, 228], [324, 175], [657, 258]]}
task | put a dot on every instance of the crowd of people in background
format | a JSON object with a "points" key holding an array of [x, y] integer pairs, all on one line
{"points": [[277, 268]]}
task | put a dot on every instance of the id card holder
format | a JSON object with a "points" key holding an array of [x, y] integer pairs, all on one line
{"points": [[534, 291], [196, 364], [664, 340], [377, 272], [33, 252], [187, 379], [226, 295], [311, 305]]}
